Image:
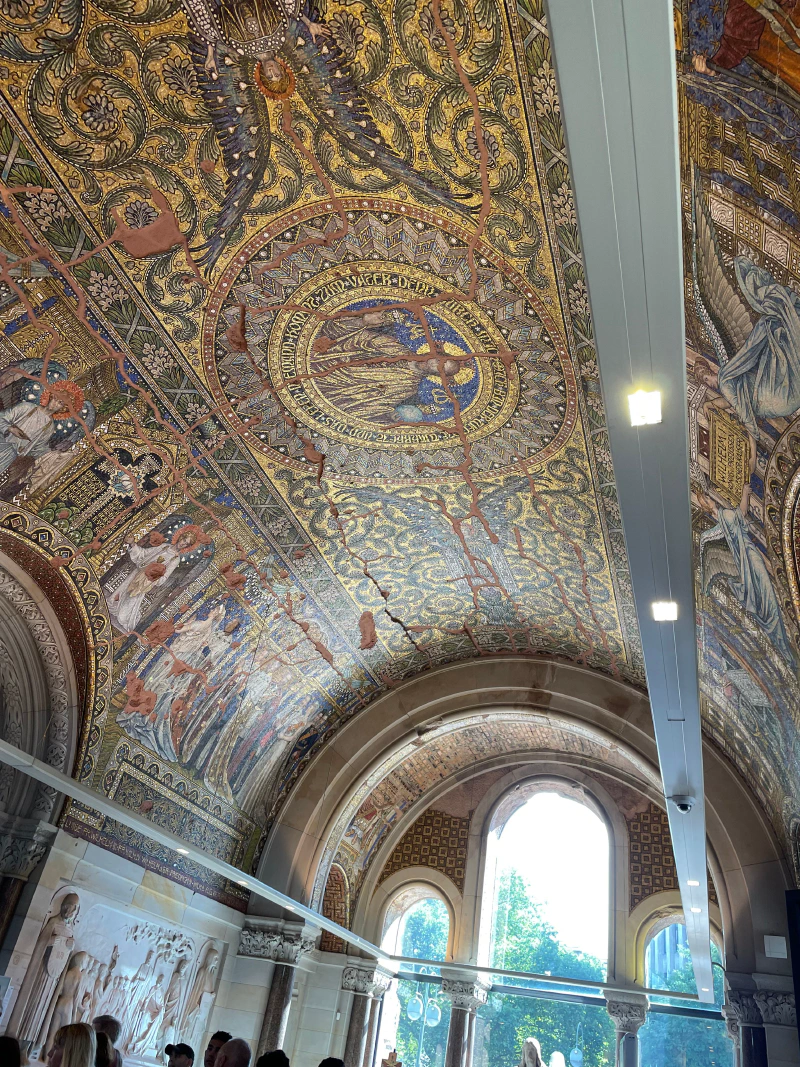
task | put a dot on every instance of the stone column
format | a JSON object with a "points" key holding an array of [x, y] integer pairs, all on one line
{"points": [[284, 944], [741, 1011], [367, 982], [466, 996], [779, 1014], [628, 1012], [375, 1010]]}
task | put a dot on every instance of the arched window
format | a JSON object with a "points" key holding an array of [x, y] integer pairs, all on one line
{"points": [[681, 1040], [415, 1017], [545, 909], [546, 887]]}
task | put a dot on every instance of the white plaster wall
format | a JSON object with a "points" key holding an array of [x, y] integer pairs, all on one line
{"points": [[138, 896], [320, 1010]]}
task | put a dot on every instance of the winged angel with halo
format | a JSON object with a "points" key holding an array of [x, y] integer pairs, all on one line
{"points": [[249, 52], [758, 378]]}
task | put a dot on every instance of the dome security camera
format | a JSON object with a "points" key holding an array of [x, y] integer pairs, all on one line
{"points": [[684, 804]]}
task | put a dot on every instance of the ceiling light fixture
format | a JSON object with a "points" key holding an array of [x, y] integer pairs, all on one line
{"points": [[697, 911], [241, 882], [692, 882], [645, 408], [665, 610], [183, 851]]}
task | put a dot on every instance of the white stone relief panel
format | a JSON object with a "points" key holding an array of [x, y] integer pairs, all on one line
{"points": [[94, 959]]}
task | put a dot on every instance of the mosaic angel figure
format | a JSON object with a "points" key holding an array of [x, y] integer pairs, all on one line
{"points": [[727, 550], [248, 52], [759, 365], [37, 419]]}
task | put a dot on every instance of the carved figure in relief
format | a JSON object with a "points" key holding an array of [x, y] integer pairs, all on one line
{"points": [[201, 996], [172, 1003], [64, 1004], [136, 996], [49, 960], [152, 1007]]}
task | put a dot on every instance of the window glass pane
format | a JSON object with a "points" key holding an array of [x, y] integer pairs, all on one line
{"points": [[668, 965], [582, 1033], [679, 1041], [415, 1017], [545, 906]]}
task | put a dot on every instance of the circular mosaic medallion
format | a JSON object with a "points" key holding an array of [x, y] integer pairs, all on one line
{"points": [[368, 344]]}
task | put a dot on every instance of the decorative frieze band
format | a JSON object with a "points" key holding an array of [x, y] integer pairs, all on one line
{"points": [[366, 981], [468, 995], [279, 945]]}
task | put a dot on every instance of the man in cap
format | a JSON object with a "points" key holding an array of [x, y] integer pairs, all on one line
{"points": [[180, 1055]]}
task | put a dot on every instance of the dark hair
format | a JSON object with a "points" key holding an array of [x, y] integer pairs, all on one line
{"points": [[220, 1035], [104, 1057], [10, 1053], [331, 1061], [277, 1058], [108, 1025]]}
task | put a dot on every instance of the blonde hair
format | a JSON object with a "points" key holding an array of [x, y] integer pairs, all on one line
{"points": [[79, 1044]]}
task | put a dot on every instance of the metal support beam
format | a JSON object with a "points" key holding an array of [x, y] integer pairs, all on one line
{"points": [[615, 61]]}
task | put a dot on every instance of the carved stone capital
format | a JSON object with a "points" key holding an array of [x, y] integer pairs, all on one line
{"points": [[741, 1006], [628, 1011], [23, 843], [467, 994], [732, 1027], [366, 980], [777, 1009], [281, 945]]}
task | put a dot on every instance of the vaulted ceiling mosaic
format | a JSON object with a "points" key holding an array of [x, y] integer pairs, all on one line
{"points": [[296, 374], [739, 97]]}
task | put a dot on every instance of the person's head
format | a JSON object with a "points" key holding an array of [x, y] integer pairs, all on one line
{"points": [[69, 907], [278, 1058], [180, 1055], [215, 1043], [273, 78], [531, 1053], [331, 1061], [234, 1053], [104, 1056], [10, 1052], [73, 1046], [703, 374]]}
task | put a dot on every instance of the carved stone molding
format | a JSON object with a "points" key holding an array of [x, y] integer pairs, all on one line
{"points": [[628, 1011], [467, 995], [367, 981], [743, 1008], [777, 1009], [279, 945], [23, 843]]}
